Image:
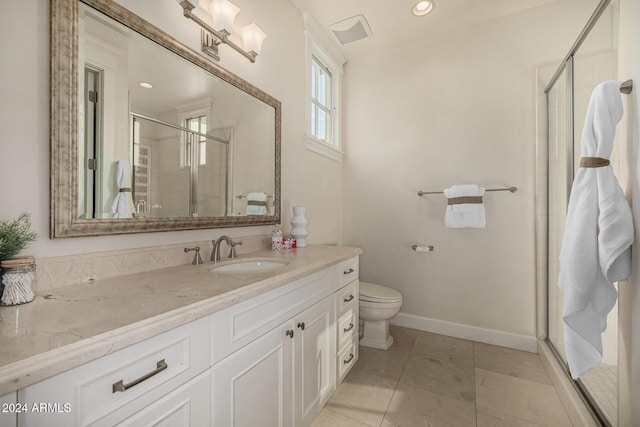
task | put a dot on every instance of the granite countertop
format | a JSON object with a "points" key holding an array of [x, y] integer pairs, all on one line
{"points": [[66, 327]]}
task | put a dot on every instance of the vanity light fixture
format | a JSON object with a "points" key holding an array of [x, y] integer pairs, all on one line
{"points": [[224, 15], [423, 8]]}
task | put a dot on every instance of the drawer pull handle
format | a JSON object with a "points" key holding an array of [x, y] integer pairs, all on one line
{"points": [[346, 362], [121, 386], [351, 297], [301, 325], [349, 271], [290, 333], [349, 328]]}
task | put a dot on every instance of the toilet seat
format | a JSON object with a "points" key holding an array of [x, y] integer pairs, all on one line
{"points": [[372, 293]]}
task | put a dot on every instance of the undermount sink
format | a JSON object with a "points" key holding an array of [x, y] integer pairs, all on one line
{"points": [[249, 266]]}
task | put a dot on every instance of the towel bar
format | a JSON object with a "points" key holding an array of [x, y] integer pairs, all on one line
{"points": [[511, 189], [242, 196]]}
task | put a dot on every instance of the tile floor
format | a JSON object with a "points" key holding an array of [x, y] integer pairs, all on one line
{"points": [[432, 380]]}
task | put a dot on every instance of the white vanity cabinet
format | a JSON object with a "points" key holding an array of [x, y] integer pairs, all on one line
{"points": [[254, 386], [285, 375], [346, 301], [273, 359], [315, 365], [109, 390]]}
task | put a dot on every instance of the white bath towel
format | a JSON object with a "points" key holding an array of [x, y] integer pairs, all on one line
{"points": [[597, 239], [122, 206], [256, 204], [466, 214]]}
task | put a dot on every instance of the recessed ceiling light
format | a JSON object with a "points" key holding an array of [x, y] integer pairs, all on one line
{"points": [[423, 7], [145, 85]]}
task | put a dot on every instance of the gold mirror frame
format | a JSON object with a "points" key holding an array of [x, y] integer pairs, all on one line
{"points": [[64, 128]]}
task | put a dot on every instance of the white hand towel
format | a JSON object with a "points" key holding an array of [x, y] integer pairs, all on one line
{"points": [[598, 235], [122, 206], [256, 204], [465, 215]]}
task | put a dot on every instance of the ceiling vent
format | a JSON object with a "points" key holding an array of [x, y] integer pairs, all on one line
{"points": [[351, 29]]}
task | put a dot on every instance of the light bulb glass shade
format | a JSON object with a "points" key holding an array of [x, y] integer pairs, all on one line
{"points": [[224, 15], [423, 8], [252, 37]]}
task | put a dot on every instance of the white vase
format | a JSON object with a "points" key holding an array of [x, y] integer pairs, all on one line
{"points": [[299, 226]]}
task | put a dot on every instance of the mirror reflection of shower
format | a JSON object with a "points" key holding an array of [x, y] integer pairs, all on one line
{"points": [[187, 141], [180, 171]]}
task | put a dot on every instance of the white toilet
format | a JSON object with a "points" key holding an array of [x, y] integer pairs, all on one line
{"points": [[378, 305]]}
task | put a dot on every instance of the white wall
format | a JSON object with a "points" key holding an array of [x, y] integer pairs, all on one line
{"points": [[428, 116], [307, 178]]}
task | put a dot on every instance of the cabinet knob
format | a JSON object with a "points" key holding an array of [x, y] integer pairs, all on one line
{"points": [[347, 361], [351, 325], [290, 333], [301, 325], [348, 271], [351, 297]]}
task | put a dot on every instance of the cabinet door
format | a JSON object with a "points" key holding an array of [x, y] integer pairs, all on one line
{"points": [[315, 349], [254, 386], [187, 406], [9, 410]]}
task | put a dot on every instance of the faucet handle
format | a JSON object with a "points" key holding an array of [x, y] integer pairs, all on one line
{"points": [[232, 251], [197, 260]]}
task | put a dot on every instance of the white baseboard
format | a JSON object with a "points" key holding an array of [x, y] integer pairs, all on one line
{"points": [[458, 330]]}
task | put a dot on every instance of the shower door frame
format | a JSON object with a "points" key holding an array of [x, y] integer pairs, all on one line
{"points": [[567, 65]]}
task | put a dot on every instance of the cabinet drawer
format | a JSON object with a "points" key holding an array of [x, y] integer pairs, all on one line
{"points": [[347, 328], [347, 357], [188, 406], [114, 387], [347, 271], [347, 298], [238, 325]]}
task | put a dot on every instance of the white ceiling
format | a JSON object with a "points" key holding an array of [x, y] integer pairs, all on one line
{"points": [[393, 25]]}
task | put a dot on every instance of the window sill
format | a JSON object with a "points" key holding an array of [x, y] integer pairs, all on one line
{"points": [[323, 148]]}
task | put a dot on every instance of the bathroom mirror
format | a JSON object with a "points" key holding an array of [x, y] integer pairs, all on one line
{"points": [[148, 135]]}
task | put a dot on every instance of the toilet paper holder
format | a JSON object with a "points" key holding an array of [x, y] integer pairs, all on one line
{"points": [[419, 248]]}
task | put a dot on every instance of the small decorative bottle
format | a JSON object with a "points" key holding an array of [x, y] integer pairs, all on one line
{"points": [[299, 226], [276, 239]]}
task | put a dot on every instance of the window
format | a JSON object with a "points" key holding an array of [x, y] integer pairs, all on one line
{"points": [[324, 76], [196, 124], [194, 117], [322, 110]]}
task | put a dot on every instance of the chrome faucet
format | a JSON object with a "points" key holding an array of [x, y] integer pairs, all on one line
{"points": [[215, 253]]}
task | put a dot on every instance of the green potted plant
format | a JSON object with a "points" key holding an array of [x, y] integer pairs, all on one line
{"points": [[15, 235], [17, 274]]}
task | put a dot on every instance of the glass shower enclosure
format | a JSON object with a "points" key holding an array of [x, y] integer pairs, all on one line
{"points": [[591, 61]]}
